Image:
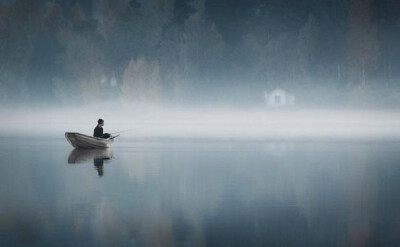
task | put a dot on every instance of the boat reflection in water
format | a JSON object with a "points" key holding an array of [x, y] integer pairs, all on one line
{"points": [[78, 156]]}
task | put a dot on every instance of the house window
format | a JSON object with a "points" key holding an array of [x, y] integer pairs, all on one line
{"points": [[277, 99]]}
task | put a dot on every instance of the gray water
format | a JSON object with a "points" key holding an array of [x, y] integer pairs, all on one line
{"points": [[199, 193]]}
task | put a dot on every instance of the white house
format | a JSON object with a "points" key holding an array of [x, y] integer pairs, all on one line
{"points": [[279, 97]]}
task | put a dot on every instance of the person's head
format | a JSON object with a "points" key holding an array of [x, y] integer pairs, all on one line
{"points": [[100, 122]]}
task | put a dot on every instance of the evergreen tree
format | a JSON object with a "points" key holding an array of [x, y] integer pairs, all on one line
{"points": [[305, 51], [363, 47], [141, 82]]}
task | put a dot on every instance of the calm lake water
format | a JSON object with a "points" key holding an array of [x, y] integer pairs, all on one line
{"points": [[199, 193]]}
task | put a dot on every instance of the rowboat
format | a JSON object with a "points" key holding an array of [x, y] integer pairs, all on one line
{"points": [[79, 140]]}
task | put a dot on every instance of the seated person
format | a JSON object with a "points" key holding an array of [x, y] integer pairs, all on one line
{"points": [[98, 131]]}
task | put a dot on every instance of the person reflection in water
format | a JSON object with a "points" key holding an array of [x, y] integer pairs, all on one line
{"points": [[98, 165], [98, 131]]}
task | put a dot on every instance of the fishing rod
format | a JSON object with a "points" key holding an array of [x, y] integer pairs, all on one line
{"points": [[122, 131]]}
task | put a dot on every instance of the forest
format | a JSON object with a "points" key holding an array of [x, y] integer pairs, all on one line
{"points": [[195, 52]]}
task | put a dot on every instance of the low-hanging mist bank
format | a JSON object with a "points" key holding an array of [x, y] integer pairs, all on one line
{"points": [[206, 123]]}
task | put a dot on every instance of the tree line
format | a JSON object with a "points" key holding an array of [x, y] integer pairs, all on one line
{"points": [[181, 51]]}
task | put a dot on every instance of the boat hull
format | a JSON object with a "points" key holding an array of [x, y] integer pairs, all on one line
{"points": [[78, 140]]}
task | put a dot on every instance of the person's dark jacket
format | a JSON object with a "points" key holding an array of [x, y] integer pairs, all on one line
{"points": [[98, 132]]}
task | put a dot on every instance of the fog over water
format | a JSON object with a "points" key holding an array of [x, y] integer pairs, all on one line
{"points": [[203, 123]]}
